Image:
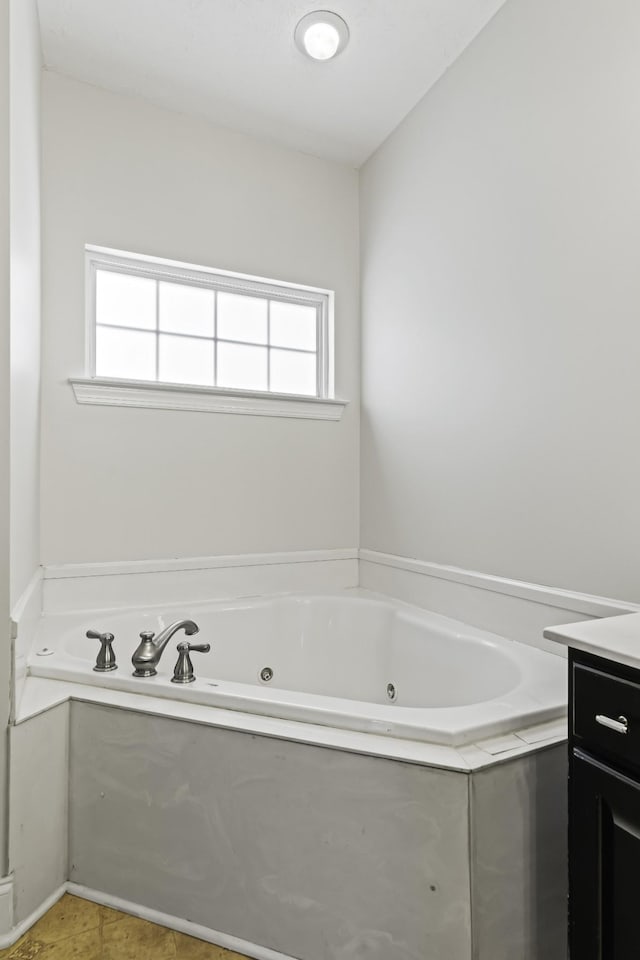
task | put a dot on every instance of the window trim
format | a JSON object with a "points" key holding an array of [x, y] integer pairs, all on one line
{"points": [[150, 393], [157, 395]]}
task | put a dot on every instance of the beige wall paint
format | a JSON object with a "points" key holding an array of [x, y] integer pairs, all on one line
{"points": [[125, 484], [25, 294], [501, 307]]}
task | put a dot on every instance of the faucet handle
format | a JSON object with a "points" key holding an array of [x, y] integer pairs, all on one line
{"points": [[183, 670], [96, 635], [197, 647], [106, 659]]}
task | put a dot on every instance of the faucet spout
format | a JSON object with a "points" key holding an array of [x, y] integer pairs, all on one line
{"points": [[147, 656]]}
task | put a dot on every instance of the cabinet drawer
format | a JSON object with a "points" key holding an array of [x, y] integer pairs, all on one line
{"points": [[599, 700]]}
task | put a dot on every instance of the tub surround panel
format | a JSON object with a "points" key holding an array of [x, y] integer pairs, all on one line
{"points": [[515, 609], [586, 603], [25, 617], [519, 857], [152, 582], [216, 844], [486, 602], [38, 823]]}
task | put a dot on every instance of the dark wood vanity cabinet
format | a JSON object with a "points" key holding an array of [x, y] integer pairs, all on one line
{"points": [[604, 810]]}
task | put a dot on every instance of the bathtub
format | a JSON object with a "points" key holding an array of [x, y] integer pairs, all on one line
{"points": [[349, 660]]}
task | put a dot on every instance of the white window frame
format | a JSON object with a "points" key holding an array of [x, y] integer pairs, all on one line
{"points": [[158, 394]]}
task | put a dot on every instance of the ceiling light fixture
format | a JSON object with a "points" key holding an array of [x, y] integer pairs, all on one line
{"points": [[321, 35]]}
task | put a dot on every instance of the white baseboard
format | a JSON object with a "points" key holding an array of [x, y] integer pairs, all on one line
{"points": [[225, 940], [135, 583], [10, 934], [7, 939], [6, 907]]}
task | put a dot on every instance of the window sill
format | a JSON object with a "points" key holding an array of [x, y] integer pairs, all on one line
{"points": [[170, 396]]}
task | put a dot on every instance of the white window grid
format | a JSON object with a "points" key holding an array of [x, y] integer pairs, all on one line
{"points": [[219, 281]]}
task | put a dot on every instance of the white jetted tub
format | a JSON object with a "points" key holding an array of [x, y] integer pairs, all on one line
{"points": [[351, 660]]}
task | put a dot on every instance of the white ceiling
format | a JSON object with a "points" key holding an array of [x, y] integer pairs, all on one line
{"points": [[235, 62]]}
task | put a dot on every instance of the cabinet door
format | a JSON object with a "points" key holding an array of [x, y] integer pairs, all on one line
{"points": [[604, 858]]}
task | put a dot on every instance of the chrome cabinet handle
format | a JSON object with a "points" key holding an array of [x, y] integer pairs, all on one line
{"points": [[621, 725]]}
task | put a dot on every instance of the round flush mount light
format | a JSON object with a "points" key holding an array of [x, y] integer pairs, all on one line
{"points": [[321, 35]]}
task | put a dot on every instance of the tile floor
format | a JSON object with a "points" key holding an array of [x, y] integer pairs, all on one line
{"points": [[76, 929]]}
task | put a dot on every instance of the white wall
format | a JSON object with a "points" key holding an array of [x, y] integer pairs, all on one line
{"points": [[501, 307], [25, 294], [125, 484], [5, 642]]}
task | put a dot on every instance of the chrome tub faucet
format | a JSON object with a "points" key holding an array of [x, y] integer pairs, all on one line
{"points": [[147, 656]]}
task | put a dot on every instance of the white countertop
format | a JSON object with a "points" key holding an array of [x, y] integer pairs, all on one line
{"points": [[613, 638]]}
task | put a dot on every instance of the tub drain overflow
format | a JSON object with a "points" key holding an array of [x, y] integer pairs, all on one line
{"points": [[391, 691], [266, 674]]}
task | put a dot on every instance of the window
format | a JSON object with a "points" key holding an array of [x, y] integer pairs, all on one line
{"points": [[168, 326]]}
